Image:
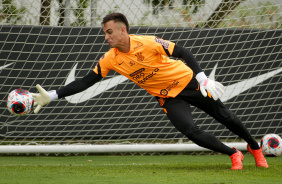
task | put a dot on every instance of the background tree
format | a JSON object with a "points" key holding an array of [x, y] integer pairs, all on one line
{"points": [[223, 9], [62, 10], [10, 12], [45, 12], [79, 12], [195, 3], [159, 4]]}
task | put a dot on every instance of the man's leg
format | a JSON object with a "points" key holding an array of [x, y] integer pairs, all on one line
{"points": [[218, 111], [223, 115], [179, 113], [234, 124]]}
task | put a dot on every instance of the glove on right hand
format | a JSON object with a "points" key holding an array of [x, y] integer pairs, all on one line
{"points": [[42, 98], [216, 89]]}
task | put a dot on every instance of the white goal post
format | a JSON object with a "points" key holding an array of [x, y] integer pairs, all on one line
{"points": [[110, 148], [236, 42]]}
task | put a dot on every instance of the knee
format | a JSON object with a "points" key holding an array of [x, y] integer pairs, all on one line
{"points": [[194, 133], [231, 119]]}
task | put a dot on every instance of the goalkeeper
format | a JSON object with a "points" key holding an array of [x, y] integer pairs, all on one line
{"points": [[175, 84]]}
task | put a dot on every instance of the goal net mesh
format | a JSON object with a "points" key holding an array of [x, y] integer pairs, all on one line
{"points": [[52, 43]]}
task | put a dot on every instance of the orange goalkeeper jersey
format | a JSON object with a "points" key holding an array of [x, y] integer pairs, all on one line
{"points": [[148, 65]]}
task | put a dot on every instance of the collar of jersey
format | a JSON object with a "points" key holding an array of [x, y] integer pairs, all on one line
{"points": [[131, 46]]}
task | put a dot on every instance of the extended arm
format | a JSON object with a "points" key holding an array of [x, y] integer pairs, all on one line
{"points": [[79, 85], [43, 97]]}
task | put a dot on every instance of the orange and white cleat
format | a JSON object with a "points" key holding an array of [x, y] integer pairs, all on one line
{"points": [[259, 157], [237, 159]]}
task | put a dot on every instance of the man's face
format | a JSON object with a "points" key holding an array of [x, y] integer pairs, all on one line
{"points": [[113, 33]]}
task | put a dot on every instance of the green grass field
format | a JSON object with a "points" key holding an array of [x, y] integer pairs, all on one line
{"points": [[167, 169]]}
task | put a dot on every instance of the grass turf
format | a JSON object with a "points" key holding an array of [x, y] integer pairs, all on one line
{"points": [[168, 169]]}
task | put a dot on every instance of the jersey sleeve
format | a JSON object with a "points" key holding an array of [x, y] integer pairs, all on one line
{"points": [[104, 66], [163, 47]]}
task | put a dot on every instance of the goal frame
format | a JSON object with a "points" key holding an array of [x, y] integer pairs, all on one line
{"points": [[110, 148], [239, 47], [143, 147]]}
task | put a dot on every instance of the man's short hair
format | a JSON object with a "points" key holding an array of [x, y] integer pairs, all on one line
{"points": [[116, 17]]}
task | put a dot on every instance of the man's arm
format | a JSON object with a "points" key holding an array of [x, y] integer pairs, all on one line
{"points": [[43, 97], [79, 85], [187, 56], [214, 88]]}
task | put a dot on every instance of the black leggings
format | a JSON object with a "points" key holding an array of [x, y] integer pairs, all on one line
{"points": [[178, 111]]}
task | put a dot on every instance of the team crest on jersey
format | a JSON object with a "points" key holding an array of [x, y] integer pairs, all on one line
{"points": [[139, 56], [164, 43]]}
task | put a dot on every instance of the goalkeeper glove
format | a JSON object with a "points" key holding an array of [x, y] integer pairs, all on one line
{"points": [[214, 88], [43, 98]]}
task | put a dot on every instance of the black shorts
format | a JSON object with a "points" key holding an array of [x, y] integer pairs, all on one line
{"points": [[178, 109]]}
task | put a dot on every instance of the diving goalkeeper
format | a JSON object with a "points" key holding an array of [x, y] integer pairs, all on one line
{"points": [[175, 84]]}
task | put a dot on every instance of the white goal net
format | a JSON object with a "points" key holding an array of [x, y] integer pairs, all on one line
{"points": [[52, 42]]}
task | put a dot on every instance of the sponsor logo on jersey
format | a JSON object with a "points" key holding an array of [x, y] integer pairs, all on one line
{"points": [[164, 92], [137, 74], [164, 43], [168, 89], [154, 72]]}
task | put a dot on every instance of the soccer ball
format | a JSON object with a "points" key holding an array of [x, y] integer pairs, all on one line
{"points": [[20, 102], [271, 145]]}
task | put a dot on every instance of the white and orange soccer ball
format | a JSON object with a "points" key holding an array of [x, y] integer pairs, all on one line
{"points": [[20, 102], [271, 145]]}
